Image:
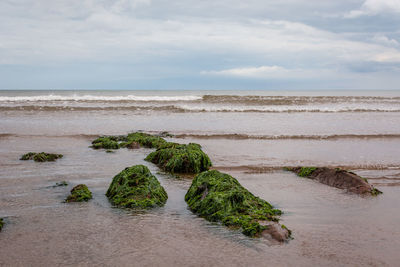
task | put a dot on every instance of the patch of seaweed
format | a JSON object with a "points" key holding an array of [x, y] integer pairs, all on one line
{"points": [[41, 157], [129, 141]]}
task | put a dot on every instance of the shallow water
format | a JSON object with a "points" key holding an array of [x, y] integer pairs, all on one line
{"points": [[330, 227]]}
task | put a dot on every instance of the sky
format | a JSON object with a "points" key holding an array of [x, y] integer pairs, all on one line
{"points": [[191, 44]]}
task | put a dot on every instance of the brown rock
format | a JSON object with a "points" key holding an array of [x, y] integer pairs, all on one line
{"points": [[275, 231], [133, 145], [338, 178]]}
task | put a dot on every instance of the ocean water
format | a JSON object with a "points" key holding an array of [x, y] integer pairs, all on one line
{"points": [[251, 135]]}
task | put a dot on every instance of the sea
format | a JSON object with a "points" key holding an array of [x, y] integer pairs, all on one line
{"points": [[251, 135]]}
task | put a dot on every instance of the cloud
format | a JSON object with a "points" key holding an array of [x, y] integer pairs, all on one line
{"points": [[250, 72], [375, 7], [143, 39]]}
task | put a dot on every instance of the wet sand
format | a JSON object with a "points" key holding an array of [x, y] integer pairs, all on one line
{"points": [[330, 227]]}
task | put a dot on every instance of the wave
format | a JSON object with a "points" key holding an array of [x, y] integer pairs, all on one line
{"points": [[196, 109], [288, 137], [76, 97], [233, 99]]}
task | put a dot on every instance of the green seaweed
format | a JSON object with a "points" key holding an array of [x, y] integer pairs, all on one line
{"points": [[375, 192], [79, 193], [306, 171], [144, 139], [219, 197], [179, 158], [41, 157], [28, 156], [116, 142], [136, 187], [106, 142], [1, 224]]}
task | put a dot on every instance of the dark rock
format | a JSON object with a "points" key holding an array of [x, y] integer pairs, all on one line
{"points": [[338, 178]]}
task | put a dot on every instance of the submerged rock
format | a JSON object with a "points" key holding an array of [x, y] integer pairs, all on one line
{"points": [[62, 183], [337, 178], [136, 187], [79, 193], [178, 158], [41, 157], [219, 197], [1, 224]]}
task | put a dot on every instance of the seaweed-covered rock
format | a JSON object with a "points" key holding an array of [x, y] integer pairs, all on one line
{"points": [[107, 142], [338, 178], [41, 157], [136, 187], [178, 158], [132, 140], [79, 193], [144, 139], [219, 197], [1, 224]]}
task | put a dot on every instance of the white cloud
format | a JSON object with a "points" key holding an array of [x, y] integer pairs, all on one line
{"points": [[250, 72], [374, 7], [384, 40], [272, 72]]}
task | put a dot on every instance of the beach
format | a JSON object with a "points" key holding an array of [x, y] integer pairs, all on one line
{"points": [[251, 135]]}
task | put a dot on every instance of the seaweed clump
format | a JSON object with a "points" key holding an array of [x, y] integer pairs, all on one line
{"points": [[306, 171], [338, 178], [107, 142], [219, 197], [180, 158], [144, 139], [79, 193], [41, 157], [136, 187], [132, 140]]}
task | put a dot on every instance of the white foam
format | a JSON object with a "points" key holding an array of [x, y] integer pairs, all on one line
{"points": [[97, 98]]}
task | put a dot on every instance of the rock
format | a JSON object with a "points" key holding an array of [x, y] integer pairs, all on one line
{"points": [[41, 157], [337, 178], [178, 158], [136, 187], [62, 183], [79, 193], [275, 231], [218, 197], [133, 145]]}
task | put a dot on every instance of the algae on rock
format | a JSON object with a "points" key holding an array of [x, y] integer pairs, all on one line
{"points": [[180, 158], [79, 193], [219, 197], [131, 140], [106, 142], [136, 187], [41, 157]]}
